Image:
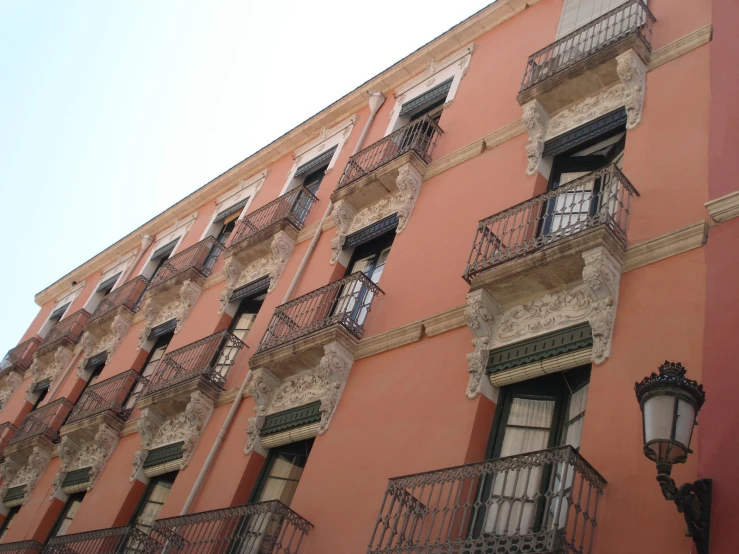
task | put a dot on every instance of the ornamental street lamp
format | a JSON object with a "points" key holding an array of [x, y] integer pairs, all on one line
{"points": [[670, 403]]}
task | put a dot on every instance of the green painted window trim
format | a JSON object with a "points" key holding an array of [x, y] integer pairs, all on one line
{"points": [[540, 348], [76, 477], [15, 493], [289, 419], [428, 96], [164, 454]]}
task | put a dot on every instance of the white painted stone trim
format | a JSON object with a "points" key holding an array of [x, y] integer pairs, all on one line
{"points": [[724, 208]]}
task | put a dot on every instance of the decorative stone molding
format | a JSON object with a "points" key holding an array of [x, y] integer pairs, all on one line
{"points": [[633, 74], [535, 118], [9, 470], [602, 274], [9, 385], [148, 426], [238, 274], [589, 109], [347, 220], [325, 383], [40, 371], [109, 342], [179, 309], [93, 454], [477, 361], [480, 316], [29, 473], [724, 208]]}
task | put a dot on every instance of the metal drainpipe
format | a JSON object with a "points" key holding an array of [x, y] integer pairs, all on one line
{"points": [[376, 99]]}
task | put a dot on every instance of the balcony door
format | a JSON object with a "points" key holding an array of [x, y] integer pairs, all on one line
{"points": [[534, 415], [303, 202], [567, 213]]}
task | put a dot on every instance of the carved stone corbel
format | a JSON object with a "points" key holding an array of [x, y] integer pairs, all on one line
{"points": [[343, 215], [477, 362], [282, 246], [633, 74], [119, 327], [535, 118], [148, 427], [409, 183], [189, 294], [602, 275], [262, 388], [62, 355], [233, 271], [151, 311], [9, 471], [106, 439], [9, 385], [138, 463], [197, 413], [334, 365], [37, 463], [67, 451], [480, 315]]}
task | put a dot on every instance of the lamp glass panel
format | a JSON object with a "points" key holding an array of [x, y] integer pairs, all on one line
{"points": [[658, 411], [685, 422]]}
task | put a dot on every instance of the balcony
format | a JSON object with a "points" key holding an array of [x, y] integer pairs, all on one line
{"points": [[43, 423], [585, 61], [299, 329], [263, 528], [252, 236], [118, 540], [7, 430], [23, 547], [537, 246], [544, 502], [124, 298], [192, 264], [65, 333], [20, 358], [205, 363]]}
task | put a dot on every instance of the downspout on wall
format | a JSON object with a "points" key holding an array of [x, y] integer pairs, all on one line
{"points": [[376, 100]]}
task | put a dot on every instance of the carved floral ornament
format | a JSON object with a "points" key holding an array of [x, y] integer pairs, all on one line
{"points": [[157, 429], [324, 383], [178, 309], [594, 301], [273, 265], [8, 386], [40, 370], [91, 345], [348, 220], [93, 455], [15, 475], [541, 127]]}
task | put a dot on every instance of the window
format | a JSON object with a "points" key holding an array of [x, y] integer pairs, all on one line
{"points": [[158, 258], [311, 181], [240, 326], [568, 211], [282, 471], [8, 521], [70, 510], [103, 290], [152, 360], [54, 318], [534, 415], [94, 370], [154, 498], [40, 390], [577, 13]]}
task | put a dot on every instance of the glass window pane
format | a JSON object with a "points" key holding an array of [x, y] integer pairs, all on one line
{"points": [[531, 413], [577, 402]]}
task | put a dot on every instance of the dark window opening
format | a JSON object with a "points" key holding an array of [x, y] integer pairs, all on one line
{"points": [[281, 472], [42, 389], [70, 510], [152, 360], [151, 503], [312, 181]]}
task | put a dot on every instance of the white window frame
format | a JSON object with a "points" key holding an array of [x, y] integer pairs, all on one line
{"points": [[336, 136], [67, 298], [247, 188], [175, 232], [119, 266], [454, 67]]}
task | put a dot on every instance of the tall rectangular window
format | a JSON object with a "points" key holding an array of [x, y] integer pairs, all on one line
{"points": [[154, 498], [282, 472], [70, 510], [577, 13], [8, 521]]}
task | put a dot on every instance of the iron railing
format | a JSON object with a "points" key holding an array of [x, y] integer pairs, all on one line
{"points": [[262, 528], [126, 295], [419, 136], [601, 198], [118, 540], [210, 358], [117, 395], [631, 18], [22, 355], [44, 421], [23, 547], [7, 430], [292, 207], [70, 328], [344, 302], [201, 257], [542, 502]]}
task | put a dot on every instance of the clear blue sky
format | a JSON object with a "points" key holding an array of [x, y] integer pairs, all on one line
{"points": [[112, 110]]}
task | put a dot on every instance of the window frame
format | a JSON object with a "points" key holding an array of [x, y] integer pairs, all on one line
{"points": [[63, 515], [153, 481]]}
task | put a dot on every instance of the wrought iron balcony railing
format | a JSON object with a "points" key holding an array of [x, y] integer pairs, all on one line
{"points": [[292, 207], [419, 136], [68, 329], [201, 257], [600, 198], [117, 395], [263, 528], [23, 547], [126, 295], [21, 356], [631, 18], [43, 422], [118, 540], [345, 302], [542, 502], [209, 358]]}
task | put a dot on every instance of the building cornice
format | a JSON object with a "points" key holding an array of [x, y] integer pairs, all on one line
{"points": [[724, 208], [387, 81]]}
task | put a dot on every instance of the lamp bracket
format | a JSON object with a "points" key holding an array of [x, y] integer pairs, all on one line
{"points": [[693, 500]]}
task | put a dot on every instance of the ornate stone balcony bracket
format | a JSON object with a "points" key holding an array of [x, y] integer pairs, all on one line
{"points": [[160, 308], [480, 316], [97, 340], [25, 473], [325, 383], [49, 366]]}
